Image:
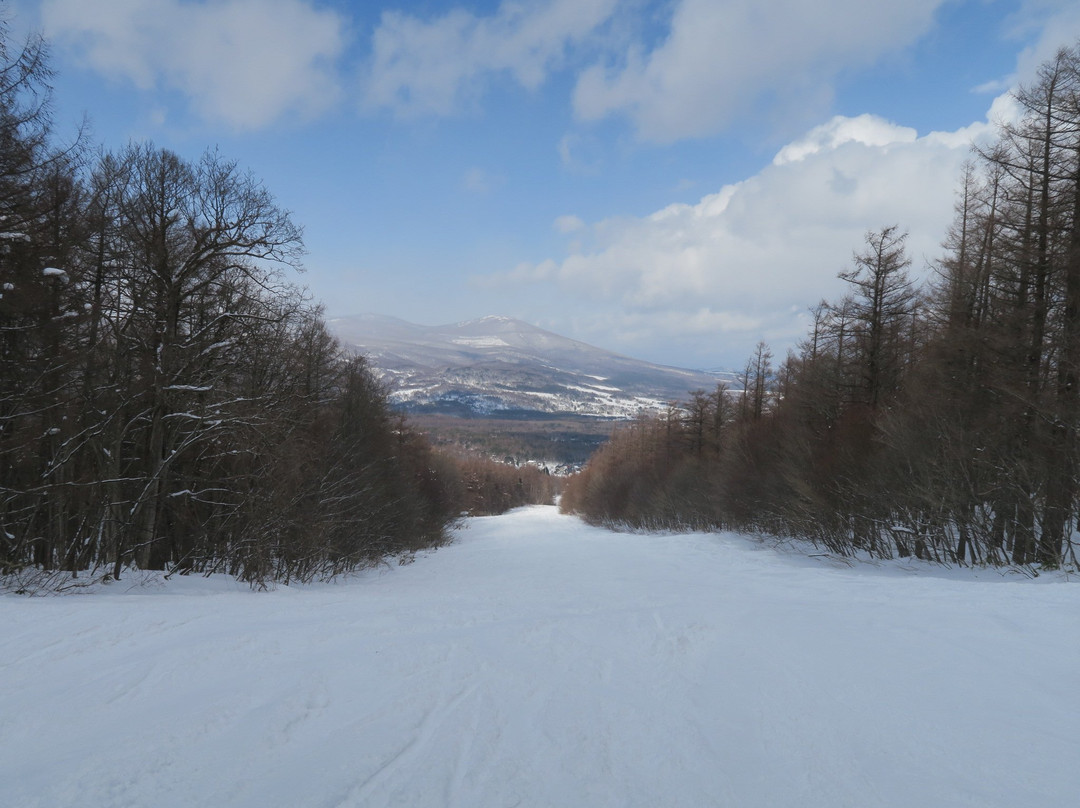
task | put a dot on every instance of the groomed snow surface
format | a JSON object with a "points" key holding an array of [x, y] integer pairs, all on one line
{"points": [[540, 662]]}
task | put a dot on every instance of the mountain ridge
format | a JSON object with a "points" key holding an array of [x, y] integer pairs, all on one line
{"points": [[503, 367]]}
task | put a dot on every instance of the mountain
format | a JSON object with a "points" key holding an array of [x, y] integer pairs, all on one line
{"points": [[502, 367]]}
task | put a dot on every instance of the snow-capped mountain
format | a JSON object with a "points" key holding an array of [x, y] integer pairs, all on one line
{"points": [[502, 366]]}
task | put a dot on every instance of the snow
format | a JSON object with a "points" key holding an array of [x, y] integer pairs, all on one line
{"points": [[540, 662], [225, 343], [481, 342]]}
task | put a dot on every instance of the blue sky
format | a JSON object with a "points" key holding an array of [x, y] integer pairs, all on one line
{"points": [[672, 180]]}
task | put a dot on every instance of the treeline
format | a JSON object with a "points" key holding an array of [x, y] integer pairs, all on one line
{"points": [[486, 487], [562, 441], [939, 422], [168, 400]]}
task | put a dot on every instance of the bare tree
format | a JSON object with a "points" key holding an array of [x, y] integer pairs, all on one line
{"points": [[884, 298]]}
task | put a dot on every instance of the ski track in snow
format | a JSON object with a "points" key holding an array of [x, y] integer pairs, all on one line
{"points": [[540, 662]]}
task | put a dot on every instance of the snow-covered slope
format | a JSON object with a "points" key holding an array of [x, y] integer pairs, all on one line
{"points": [[540, 662], [501, 365]]}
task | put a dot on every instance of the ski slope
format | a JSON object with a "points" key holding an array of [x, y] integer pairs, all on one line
{"points": [[540, 662]]}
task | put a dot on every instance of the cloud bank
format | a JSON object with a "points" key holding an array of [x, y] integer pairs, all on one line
{"points": [[686, 69], [246, 63], [744, 263], [439, 66], [723, 59]]}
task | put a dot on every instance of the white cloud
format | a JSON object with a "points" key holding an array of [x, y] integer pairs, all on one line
{"points": [[1055, 24], [1047, 26], [744, 263], [568, 224], [722, 57], [581, 153], [481, 181], [992, 87], [435, 66], [869, 130], [244, 62]]}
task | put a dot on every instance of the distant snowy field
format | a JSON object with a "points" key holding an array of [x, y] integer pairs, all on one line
{"points": [[541, 662]]}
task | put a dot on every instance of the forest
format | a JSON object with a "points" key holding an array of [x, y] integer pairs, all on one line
{"points": [[169, 398], [936, 420]]}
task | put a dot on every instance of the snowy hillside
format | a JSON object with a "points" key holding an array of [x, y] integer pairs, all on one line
{"points": [[500, 365], [540, 662]]}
